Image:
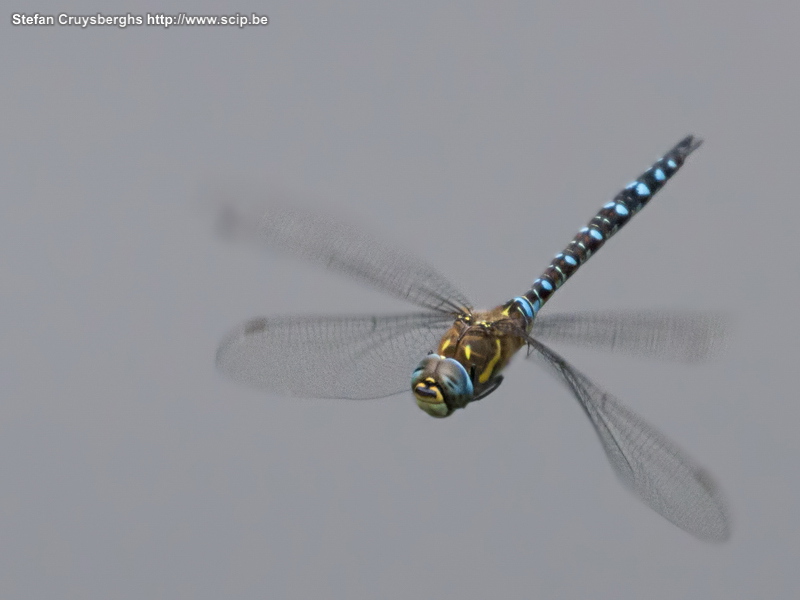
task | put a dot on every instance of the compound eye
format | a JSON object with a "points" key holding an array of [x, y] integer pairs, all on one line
{"points": [[455, 383]]}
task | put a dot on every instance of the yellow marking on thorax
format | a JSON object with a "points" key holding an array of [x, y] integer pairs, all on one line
{"points": [[505, 310], [445, 344], [467, 351], [487, 372]]}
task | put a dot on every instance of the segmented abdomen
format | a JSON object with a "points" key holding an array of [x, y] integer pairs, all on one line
{"points": [[606, 223]]}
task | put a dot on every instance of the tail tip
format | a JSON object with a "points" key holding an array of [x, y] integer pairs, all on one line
{"points": [[689, 144]]}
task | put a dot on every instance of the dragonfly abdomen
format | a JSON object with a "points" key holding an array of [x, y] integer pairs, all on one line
{"points": [[608, 221]]}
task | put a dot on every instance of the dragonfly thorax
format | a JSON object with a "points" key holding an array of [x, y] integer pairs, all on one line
{"points": [[468, 363]]}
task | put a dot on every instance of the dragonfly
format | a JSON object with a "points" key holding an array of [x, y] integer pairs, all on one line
{"points": [[454, 355]]}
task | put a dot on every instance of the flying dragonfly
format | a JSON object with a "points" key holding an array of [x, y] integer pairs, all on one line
{"points": [[373, 356]]}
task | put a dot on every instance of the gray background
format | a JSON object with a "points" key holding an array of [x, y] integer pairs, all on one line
{"points": [[480, 136]]}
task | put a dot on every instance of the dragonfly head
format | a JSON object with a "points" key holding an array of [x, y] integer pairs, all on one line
{"points": [[441, 385]]}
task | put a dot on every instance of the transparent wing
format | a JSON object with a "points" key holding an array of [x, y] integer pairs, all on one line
{"points": [[354, 357], [343, 248], [647, 462], [685, 336]]}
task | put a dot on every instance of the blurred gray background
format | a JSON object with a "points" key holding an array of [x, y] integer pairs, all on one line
{"points": [[480, 136]]}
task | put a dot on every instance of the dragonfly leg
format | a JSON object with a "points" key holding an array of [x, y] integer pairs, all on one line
{"points": [[490, 386]]}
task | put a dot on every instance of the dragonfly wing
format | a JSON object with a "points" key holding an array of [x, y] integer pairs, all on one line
{"points": [[685, 336], [646, 461], [354, 357], [346, 249]]}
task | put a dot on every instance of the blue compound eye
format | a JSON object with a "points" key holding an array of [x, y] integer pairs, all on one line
{"points": [[455, 379]]}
